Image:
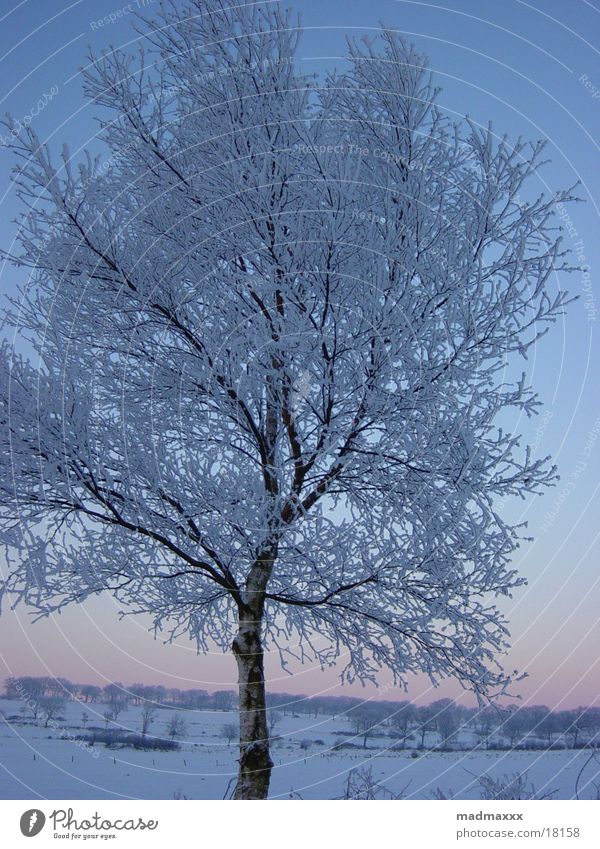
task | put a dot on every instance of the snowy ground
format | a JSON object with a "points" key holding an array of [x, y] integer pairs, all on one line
{"points": [[36, 763]]}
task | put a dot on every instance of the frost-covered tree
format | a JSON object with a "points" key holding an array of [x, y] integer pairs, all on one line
{"points": [[90, 693], [485, 722], [402, 720], [177, 728], [229, 732], [366, 719], [269, 394], [514, 726], [147, 716], [50, 707], [447, 720], [32, 691], [223, 700], [274, 718]]}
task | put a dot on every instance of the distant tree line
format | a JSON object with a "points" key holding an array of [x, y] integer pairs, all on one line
{"points": [[443, 724], [446, 725], [117, 695]]}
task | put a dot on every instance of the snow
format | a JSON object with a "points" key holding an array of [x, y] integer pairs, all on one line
{"points": [[36, 763]]}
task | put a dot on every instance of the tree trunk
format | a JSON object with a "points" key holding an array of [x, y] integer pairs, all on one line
{"points": [[255, 762]]}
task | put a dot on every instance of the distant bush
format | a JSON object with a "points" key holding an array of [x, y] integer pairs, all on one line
{"points": [[532, 746], [111, 738], [505, 788], [509, 787], [116, 738], [361, 784], [137, 741]]}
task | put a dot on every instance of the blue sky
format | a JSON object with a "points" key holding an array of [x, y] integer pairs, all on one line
{"points": [[534, 70]]}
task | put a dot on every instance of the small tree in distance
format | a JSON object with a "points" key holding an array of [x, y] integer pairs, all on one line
{"points": [[366, 720], [116, 706], [274, 718], [401, 721], [148, 715], [229, 732], [514, 725], [90, 693], [270, 366], [176, 727], [447, 720], [426, 722], [484, 721], [50, 707]]}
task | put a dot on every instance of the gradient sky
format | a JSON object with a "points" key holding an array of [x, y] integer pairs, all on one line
{"points": [[534, 70]]}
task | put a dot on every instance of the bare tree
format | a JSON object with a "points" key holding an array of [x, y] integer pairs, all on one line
{"points": [[362, 784], [509, 787], [11, 688], [549, 726], [426, 722], [484, 721], [31, 690], [50, 707], [365, 720], [147, 716], [116, 706], [60, 687], [176, 727], [90, 692], [514, 725], [274, 717], [270, 363], [229, 732], [224, 699], [195, 699], [447, 720], [402, 720]]}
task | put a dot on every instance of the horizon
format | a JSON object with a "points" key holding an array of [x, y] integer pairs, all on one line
{"points": [[294, 698]]}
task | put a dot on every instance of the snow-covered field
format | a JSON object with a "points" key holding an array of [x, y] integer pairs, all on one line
{"points": [[36, 763]]}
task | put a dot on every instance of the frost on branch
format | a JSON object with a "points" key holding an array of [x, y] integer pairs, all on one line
{"points": [[271, 332]]}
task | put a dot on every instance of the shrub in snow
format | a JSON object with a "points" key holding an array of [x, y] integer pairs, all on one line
{"points": [[509, 787], [116, 738], [361, 784]]}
